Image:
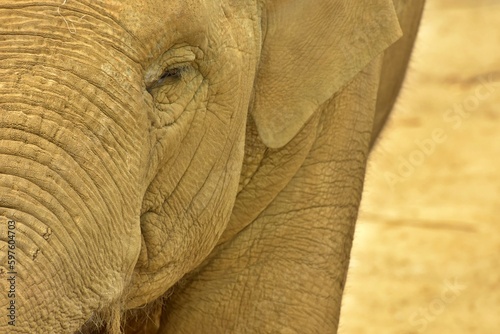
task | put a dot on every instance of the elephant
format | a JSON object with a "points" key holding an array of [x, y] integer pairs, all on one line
{"points": [[188, 166]]}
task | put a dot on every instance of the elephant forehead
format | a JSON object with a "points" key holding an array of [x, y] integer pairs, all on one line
{"points": [[162, 23]]}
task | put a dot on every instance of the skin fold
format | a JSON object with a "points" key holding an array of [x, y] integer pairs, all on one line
{"points": [[188, 166]]}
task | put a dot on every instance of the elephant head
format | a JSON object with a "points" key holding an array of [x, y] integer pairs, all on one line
{"points": [[124, 131]]}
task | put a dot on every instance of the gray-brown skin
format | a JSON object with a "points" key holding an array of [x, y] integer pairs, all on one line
{"points": [[222, 142]]}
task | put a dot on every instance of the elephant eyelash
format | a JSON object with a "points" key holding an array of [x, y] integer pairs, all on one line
{"points": [[170, 75], [175, 73]]}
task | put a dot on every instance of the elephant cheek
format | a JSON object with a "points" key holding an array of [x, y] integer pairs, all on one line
{"points": [[171, 248], [180, 232]]}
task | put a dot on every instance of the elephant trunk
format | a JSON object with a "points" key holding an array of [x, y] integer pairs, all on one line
{"points": [[56, 220], [70, 198]]}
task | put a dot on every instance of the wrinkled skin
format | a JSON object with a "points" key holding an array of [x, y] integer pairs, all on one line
{"points": [[188, 166]]}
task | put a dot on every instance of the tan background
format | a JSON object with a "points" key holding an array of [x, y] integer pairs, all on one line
{"points": [[426, 256]]}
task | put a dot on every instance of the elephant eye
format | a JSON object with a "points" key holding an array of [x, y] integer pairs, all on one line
{"points": [[175, 73], [169, 76]]}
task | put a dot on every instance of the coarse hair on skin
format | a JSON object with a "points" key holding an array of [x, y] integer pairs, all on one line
{"points": [[107, 320], [115, 319]]}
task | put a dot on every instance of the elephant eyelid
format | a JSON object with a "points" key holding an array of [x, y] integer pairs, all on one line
{"points": [[170, 75]]}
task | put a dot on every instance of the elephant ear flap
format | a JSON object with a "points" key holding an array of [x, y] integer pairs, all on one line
{"points": [[310, 50]]}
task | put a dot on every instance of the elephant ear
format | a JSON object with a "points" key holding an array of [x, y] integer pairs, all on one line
{"points": [[310, 50]]}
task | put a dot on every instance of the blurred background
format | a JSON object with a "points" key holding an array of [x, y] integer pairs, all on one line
{"points": [[426, 256]]}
